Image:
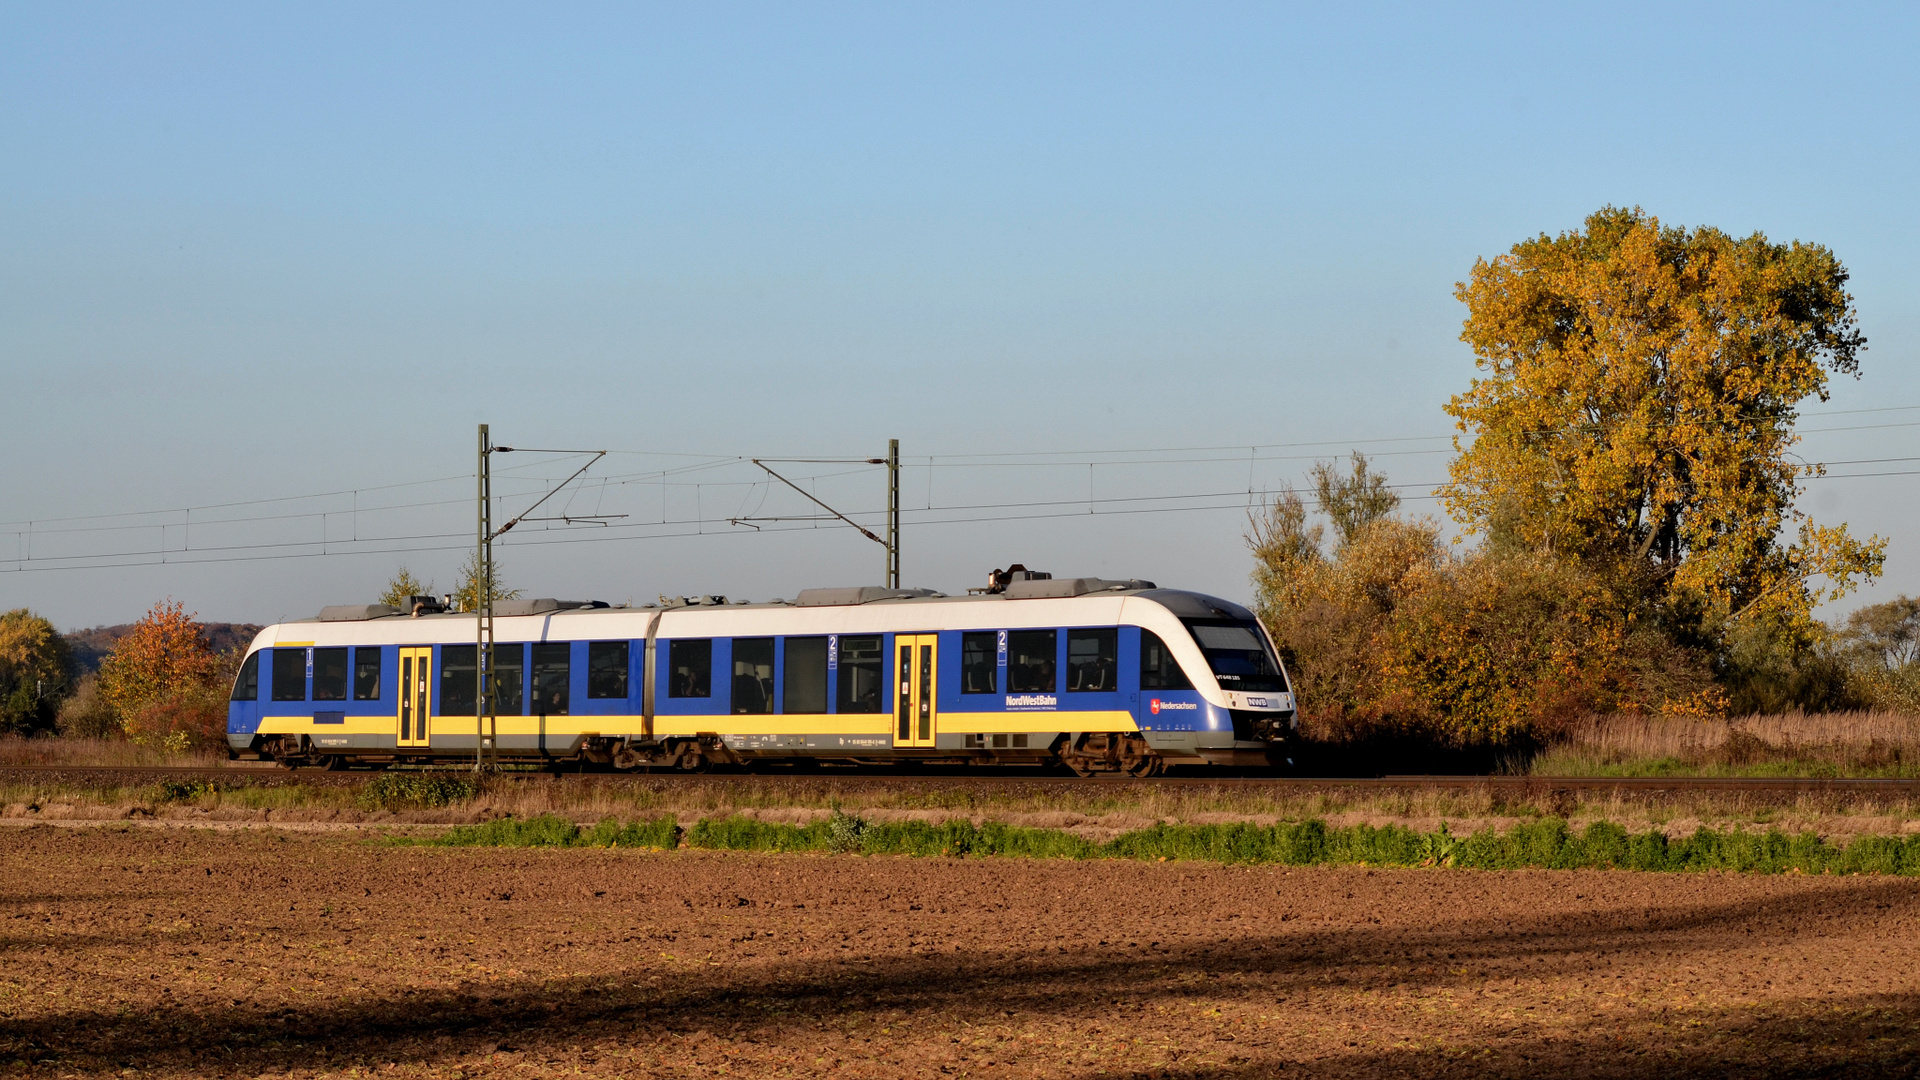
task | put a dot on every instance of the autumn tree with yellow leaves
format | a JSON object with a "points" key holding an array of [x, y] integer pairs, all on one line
{"points": [[402, 588], [1625, 465], [1637, 409], [467, 595], [34, 659]]}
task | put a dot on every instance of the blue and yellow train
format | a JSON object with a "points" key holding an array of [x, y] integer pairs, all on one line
{"points": [[1096, 675]]}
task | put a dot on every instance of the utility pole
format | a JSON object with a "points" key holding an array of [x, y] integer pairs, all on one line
{"points": [[486, 729], [483, 706], [891, 543], [893, 513]]}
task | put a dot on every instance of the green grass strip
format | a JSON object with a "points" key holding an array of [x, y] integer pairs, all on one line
{"points": [[1545, 844], [550, 831], [409, 791]]}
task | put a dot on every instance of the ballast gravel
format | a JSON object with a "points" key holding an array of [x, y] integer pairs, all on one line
{"points": [[264, 953]]}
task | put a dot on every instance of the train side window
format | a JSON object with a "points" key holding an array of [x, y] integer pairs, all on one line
{"points": [[456, 680], [690, 663], [806, 679], [980, 663], [366, 673], [1031, 662], [246, 685], [289, 674], [509, 679], [329, 674], [860, 662], [607, 669], [1158, 669], [753, 675], [1093, 660], [552, 667]]}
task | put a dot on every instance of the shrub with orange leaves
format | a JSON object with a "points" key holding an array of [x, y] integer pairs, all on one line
{"points": [[165, 681], [1391, 632], [1500, 646], [193, 717]]}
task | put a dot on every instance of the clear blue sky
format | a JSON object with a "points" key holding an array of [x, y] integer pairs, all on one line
{"points": [[258, 251]]}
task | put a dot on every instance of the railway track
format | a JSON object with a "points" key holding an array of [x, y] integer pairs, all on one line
{"points": [[1010, 781]]}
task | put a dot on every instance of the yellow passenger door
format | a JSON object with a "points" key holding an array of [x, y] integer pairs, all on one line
{"points": [[916, 707], [416, 698]]}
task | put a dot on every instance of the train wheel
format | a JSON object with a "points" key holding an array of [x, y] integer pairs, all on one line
{"points": [[692, 760], [1147, 765]]}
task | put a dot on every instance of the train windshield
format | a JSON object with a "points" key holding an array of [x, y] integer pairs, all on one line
{"points": [[1237, 653]]}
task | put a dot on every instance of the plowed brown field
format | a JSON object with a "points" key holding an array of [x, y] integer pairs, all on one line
{"points": [[185, 952]]}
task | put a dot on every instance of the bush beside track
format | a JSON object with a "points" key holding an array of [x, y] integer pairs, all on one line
{"points": [[1546, 844]]}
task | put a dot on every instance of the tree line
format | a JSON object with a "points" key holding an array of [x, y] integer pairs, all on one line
{"points": [[164, 682], [1624, 489]]}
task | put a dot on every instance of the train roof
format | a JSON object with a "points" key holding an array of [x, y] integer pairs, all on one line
{"points": [[1181, 602]]}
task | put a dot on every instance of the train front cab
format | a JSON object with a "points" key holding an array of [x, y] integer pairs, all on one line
{"points": [[296, 701], [1110, 699]]}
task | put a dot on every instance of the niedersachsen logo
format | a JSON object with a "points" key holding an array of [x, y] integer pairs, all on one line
{"points": [[1031, 701], [1156, 705]]}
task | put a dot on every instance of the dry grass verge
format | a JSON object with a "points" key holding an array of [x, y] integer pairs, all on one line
{"points": [[1848, 744], [112, 753]]}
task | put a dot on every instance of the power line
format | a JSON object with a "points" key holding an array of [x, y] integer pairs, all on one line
{"points": [[681, 477], [1880, 408], [304, 515], [423, 542], [240, 502], [1858, 427], [962, 460]]}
